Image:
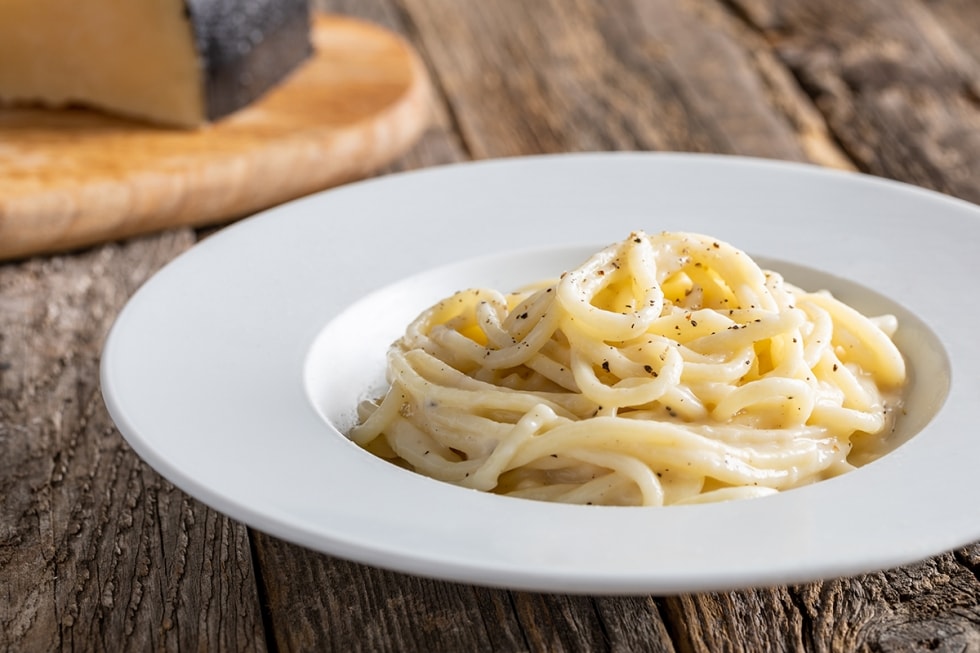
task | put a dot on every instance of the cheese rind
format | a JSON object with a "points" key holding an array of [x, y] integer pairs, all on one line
{"points": [[246, 47], [167, 61]]}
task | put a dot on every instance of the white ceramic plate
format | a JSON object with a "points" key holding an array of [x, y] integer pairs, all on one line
{"points": [[230, 370]]}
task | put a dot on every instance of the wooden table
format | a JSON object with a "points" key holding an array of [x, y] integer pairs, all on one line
{"points": [[98, 552]]}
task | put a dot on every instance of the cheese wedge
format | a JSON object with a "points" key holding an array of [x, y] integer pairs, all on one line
{"points": [[173, 62]]}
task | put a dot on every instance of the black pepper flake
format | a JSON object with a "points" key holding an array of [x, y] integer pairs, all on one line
{"points": [[694, 322], [522, 316], [835, 367], [605, 365]]}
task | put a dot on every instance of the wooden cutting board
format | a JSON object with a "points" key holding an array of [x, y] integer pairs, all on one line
{"points": [[70, 178]]}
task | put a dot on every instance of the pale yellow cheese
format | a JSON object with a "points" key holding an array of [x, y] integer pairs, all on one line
{"points": [[134, 57]]}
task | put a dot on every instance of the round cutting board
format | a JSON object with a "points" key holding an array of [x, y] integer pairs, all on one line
{"points": [[74, 177]]}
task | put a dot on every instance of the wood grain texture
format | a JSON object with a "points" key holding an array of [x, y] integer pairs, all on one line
{"points": [[557, 76], [930, 606], [895, 85], [960, 21], [359, 608], [97, 552], [72, 178]]}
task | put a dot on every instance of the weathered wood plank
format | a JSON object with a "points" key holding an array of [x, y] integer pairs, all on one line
{"points": [[961, 21], [577, 623], [352, 607], [933, 605], [97, 552], [319, 602], [751, 620], [664, 75], [900, 94]]}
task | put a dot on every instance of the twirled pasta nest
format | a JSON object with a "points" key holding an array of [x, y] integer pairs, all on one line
{"points": [[667, 369]]}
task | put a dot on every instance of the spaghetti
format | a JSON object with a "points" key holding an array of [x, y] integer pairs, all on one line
{"points": [[667, 369]]}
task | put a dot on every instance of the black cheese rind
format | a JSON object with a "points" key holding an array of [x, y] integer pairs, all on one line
{"points": [[246, 47]]}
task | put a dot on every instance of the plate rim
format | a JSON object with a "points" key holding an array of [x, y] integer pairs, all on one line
{"points": [[585, 580]]}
